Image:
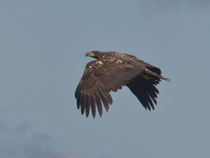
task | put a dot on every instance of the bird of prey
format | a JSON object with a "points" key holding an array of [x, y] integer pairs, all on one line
{"points": [[109, 72]]}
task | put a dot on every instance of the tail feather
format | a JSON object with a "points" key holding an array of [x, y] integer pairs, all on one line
{"points": [[148, 71]]}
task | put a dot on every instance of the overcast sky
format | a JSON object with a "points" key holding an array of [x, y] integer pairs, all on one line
{"points": [[42, 58]]}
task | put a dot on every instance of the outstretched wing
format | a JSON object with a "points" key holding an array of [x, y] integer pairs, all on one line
{"points": [[99, 78], [143, 86]]}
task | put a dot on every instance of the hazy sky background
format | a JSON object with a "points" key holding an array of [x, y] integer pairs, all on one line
{"points": [[42, 58]]}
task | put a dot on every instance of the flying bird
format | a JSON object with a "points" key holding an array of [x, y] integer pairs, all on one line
{"points": [[109, 72]]}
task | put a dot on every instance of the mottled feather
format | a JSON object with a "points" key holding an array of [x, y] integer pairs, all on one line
{"points": [[109, 72]]}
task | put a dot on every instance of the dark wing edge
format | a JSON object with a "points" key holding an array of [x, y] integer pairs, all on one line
{"points": [[144, 87], [145, 90]]}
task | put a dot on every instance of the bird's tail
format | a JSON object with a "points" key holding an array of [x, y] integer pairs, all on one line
{"points": [[156, 75]]}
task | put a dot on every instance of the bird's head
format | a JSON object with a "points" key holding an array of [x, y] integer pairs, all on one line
{"points": [[95, 54]]}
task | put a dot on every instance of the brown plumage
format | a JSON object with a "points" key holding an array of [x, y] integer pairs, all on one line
{"points": [[109, 72]]}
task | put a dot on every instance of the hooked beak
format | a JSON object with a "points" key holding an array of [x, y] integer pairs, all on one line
{"points": [[89, 54]]}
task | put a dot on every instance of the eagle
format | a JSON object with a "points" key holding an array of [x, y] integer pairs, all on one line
{"points": [[109, 72]]}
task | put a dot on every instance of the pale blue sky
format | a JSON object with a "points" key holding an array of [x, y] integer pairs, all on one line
{"points": [[42, 58]]}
